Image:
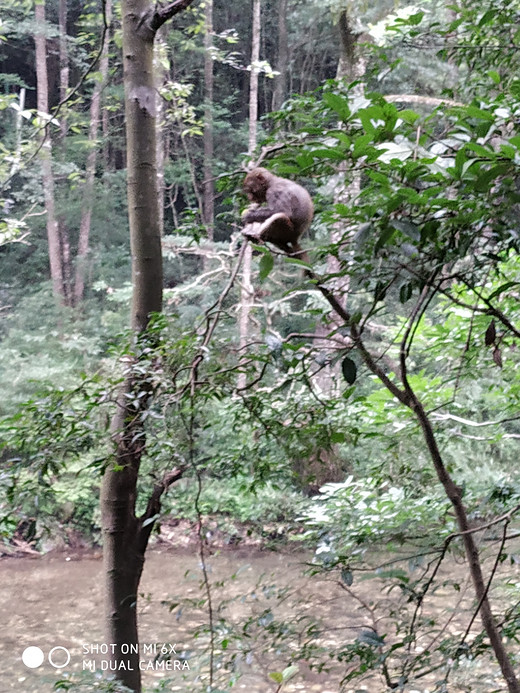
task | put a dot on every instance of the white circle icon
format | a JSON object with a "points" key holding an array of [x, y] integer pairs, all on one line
{"points": [[63, 659], [32, 657]]}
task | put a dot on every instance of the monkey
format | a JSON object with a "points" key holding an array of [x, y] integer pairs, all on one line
{"points": [[283, 207]]}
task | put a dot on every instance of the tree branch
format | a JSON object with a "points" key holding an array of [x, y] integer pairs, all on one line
{"points": [[160, 14], [147, 520]]}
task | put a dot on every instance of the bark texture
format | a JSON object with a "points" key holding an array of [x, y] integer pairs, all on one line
{"points": [[125, 536], [282, 58], [90, 171], [42, 88], [247, 291], [209, 184]]}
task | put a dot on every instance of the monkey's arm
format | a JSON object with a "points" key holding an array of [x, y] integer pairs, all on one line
{"points": [[258, 214]]}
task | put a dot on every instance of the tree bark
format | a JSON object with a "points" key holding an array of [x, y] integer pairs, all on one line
{"points": [[253, 84], [42, 99], [125, 535], [90, 171], [64, 60], [161, 55], [209, 183], [246, 294], [282, 58]]}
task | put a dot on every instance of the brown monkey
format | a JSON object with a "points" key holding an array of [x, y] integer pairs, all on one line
{"points": [[283, 207]]}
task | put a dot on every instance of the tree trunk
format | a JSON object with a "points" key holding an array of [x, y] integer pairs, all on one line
{"points": [[64, 60], [42, 88], [88, 191], [246, 294], [209, 184], [282, 59], [125, 535], [161, 70], [63, 230], [253, 84]]}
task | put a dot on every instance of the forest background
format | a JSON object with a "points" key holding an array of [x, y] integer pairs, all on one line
{"points": [[368, 413]]}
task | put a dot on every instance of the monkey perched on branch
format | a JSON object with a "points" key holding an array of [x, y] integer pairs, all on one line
{"points": [[283, 208]]}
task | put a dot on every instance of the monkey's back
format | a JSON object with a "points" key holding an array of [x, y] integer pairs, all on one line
{"points": [[292, 199]]}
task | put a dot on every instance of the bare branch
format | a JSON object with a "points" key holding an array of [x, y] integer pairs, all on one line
{"points": [[160, 14]]}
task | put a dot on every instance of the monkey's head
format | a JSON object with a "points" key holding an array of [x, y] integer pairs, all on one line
{"points": [[256, 184]]}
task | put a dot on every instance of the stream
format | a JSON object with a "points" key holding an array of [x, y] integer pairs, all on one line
{"points": [[55, 603]]}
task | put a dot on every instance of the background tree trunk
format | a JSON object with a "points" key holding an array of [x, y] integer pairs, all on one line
{"points": [[90, 172], [42, 97], [64, 60], [282, 58], [209, 184], [247, 292], [161, 71]]}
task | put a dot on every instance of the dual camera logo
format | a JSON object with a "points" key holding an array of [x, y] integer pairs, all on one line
{"points": [[33, 657]]}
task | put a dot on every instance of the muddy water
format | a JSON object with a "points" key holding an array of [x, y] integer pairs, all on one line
{"points": [[54, 602]]}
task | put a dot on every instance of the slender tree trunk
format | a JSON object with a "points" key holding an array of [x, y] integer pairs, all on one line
{"points": [[64, 60], [18, 152], [246, 294], [125, 535], [282, 59], [253, 84], [90, 172], [64, 87], [161, 70], [105, 129], [209, 184], [42, 88], [123, 557]]}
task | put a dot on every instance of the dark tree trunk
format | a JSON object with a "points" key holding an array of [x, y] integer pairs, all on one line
{"points": [[125, 536]]}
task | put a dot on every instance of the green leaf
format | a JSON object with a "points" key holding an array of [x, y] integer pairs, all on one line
{"points": [[276, 676], [361, 144], [371, 638], [347, 576], [485, 180], [487, 17], [385, 235], [475, 112], [338, 104], [407, 227], [415, 19], [337, 437], [334, 154], [501, 289], [266, 265], [380, 291], [408, 116], [289, 672], [494, 76], [349, 370], [405, 292]]}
